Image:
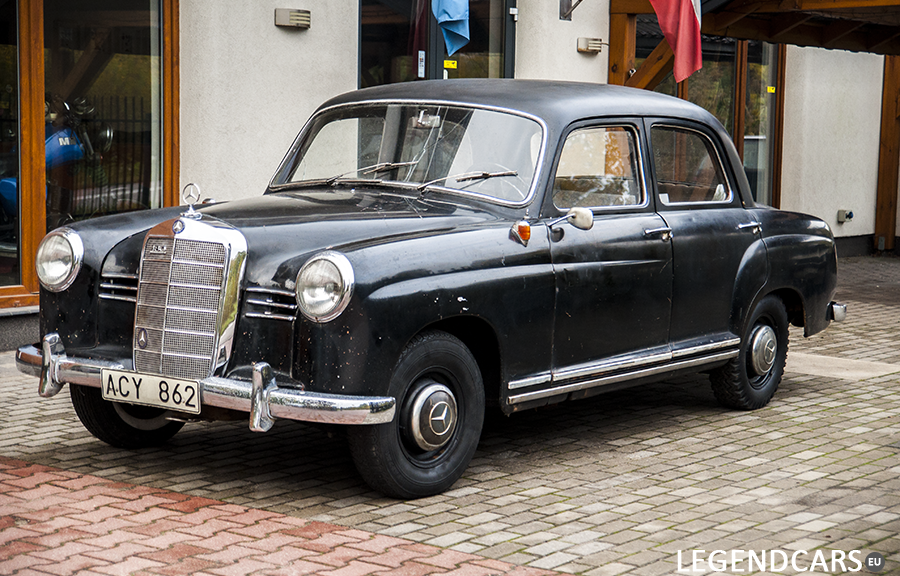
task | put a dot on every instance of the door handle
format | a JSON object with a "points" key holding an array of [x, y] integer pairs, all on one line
{"points": [[665, 234], [753, 227]]}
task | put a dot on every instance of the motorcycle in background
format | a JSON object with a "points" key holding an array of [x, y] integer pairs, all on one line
{"points": [[74, 144]]}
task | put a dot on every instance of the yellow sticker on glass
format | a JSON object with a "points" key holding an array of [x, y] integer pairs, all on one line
{"points": [[450, 64], [770, 89]]}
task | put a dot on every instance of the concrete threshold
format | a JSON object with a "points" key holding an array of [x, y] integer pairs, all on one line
{"points": [[844, 368]]}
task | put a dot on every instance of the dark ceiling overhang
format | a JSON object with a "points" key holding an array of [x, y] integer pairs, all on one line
{"points": [[855, 25]]}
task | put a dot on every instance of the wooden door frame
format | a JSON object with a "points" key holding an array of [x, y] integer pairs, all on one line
{"points": [[32, 183]]}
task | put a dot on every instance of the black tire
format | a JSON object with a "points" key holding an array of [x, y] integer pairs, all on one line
{"points": [[390, 457], [121, 425], [744, 384]]}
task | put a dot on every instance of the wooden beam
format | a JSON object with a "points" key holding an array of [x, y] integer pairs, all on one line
{"points": [[622, 32], [879, 39], [837, 30], [32, 173], [654, 69], [814, 5], [724, 19], [171, 105], [888, 157], [785, 24], [630, 7]]}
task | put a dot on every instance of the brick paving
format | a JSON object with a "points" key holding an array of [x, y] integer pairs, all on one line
{"points": [[617, 484]]}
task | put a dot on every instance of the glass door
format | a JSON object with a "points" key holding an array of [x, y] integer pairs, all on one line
{"points": [[103, 107], [10, 262]]}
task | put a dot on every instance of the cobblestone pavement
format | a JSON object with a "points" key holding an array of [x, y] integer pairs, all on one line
{"points": [[617, 484]]}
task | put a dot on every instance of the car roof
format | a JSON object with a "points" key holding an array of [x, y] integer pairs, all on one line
{"points": [[557, 103]]}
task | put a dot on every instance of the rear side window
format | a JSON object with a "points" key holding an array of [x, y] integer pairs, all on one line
{"points": [[598, 167], [688, 169]]}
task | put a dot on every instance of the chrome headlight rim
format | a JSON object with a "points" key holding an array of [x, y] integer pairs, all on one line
{"points": [[344, 268], [76, 246]]}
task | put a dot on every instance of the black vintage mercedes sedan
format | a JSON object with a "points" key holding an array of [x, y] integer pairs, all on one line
{"points": [[429, 251]]}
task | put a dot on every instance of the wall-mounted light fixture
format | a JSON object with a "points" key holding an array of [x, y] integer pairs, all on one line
{"points": [[288, 18], [590, 45]]}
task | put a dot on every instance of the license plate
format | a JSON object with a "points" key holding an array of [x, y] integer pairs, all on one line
{"points": [[150, 390]]}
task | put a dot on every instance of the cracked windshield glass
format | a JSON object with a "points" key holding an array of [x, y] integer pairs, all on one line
{"points": [[448, 148]]}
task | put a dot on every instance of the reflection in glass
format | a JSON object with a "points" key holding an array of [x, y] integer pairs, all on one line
{"points": [[482, 57], [103, 129], [9, 155], [712, 87], [597, 167], [759, 126], [392, 33], [397, 37]]}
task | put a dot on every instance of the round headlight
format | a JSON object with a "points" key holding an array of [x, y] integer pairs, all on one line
{"points": [[59, 258], [324, 284]]}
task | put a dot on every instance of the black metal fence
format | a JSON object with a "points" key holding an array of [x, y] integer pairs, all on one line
{"points": [[118, 177]]}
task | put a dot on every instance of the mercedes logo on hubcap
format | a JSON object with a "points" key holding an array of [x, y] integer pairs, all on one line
{"points": [[440, 418]]}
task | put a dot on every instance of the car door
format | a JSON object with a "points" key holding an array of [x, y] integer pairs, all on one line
{"points": [[711, 234], [614, 281]]}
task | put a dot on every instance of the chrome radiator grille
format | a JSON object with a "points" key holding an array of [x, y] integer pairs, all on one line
{"points": [[176, 329]]}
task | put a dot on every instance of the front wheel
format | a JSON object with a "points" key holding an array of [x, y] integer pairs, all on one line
{"points": [[434, 434], [121, 425], [750, 379]]}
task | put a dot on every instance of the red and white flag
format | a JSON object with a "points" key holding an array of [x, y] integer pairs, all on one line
{"points": [[679, 21]]}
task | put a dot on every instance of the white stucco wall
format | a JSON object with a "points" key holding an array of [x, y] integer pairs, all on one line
{"points": [[248, 86], [546, 47], [831, 132]]}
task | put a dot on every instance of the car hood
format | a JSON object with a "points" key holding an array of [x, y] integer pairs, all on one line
{"points": [[284, 229]]}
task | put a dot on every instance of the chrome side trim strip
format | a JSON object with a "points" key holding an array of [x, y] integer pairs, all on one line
{"points": [[652, 356], [530, 381], [706, 348], [616, 378], [261, 398]]}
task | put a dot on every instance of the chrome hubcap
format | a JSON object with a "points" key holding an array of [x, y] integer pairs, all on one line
{"points": [[433, 416], [763, 347]]}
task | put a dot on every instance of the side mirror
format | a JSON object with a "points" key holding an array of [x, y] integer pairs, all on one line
{"points": [[581, 218]]}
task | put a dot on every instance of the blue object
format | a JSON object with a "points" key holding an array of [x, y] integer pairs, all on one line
{"points": [[453, 18]]}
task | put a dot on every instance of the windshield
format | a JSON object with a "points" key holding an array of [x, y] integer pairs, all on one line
{"points": [[451, 148]]}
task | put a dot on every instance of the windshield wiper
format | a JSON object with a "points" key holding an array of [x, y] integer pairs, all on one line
{"points": [[373, 169], [466, 176]]}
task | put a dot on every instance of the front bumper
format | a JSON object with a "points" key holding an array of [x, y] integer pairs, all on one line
{"points": [[261, 397]]}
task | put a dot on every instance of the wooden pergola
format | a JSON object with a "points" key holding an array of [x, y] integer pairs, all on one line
{"points": [[856, 25]]}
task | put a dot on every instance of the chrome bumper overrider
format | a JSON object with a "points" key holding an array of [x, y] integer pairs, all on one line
{"points": [[262, 398], [837, 312]]}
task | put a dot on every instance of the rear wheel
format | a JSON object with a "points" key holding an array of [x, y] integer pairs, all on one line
{"points": [[750, 379], [121, 425], [434, 434]]}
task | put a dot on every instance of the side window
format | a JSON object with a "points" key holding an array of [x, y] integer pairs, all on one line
{"points": [[688, 169], [598, 167]]}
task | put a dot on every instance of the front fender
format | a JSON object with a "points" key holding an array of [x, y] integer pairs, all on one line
{"points": [[403, 289]]}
